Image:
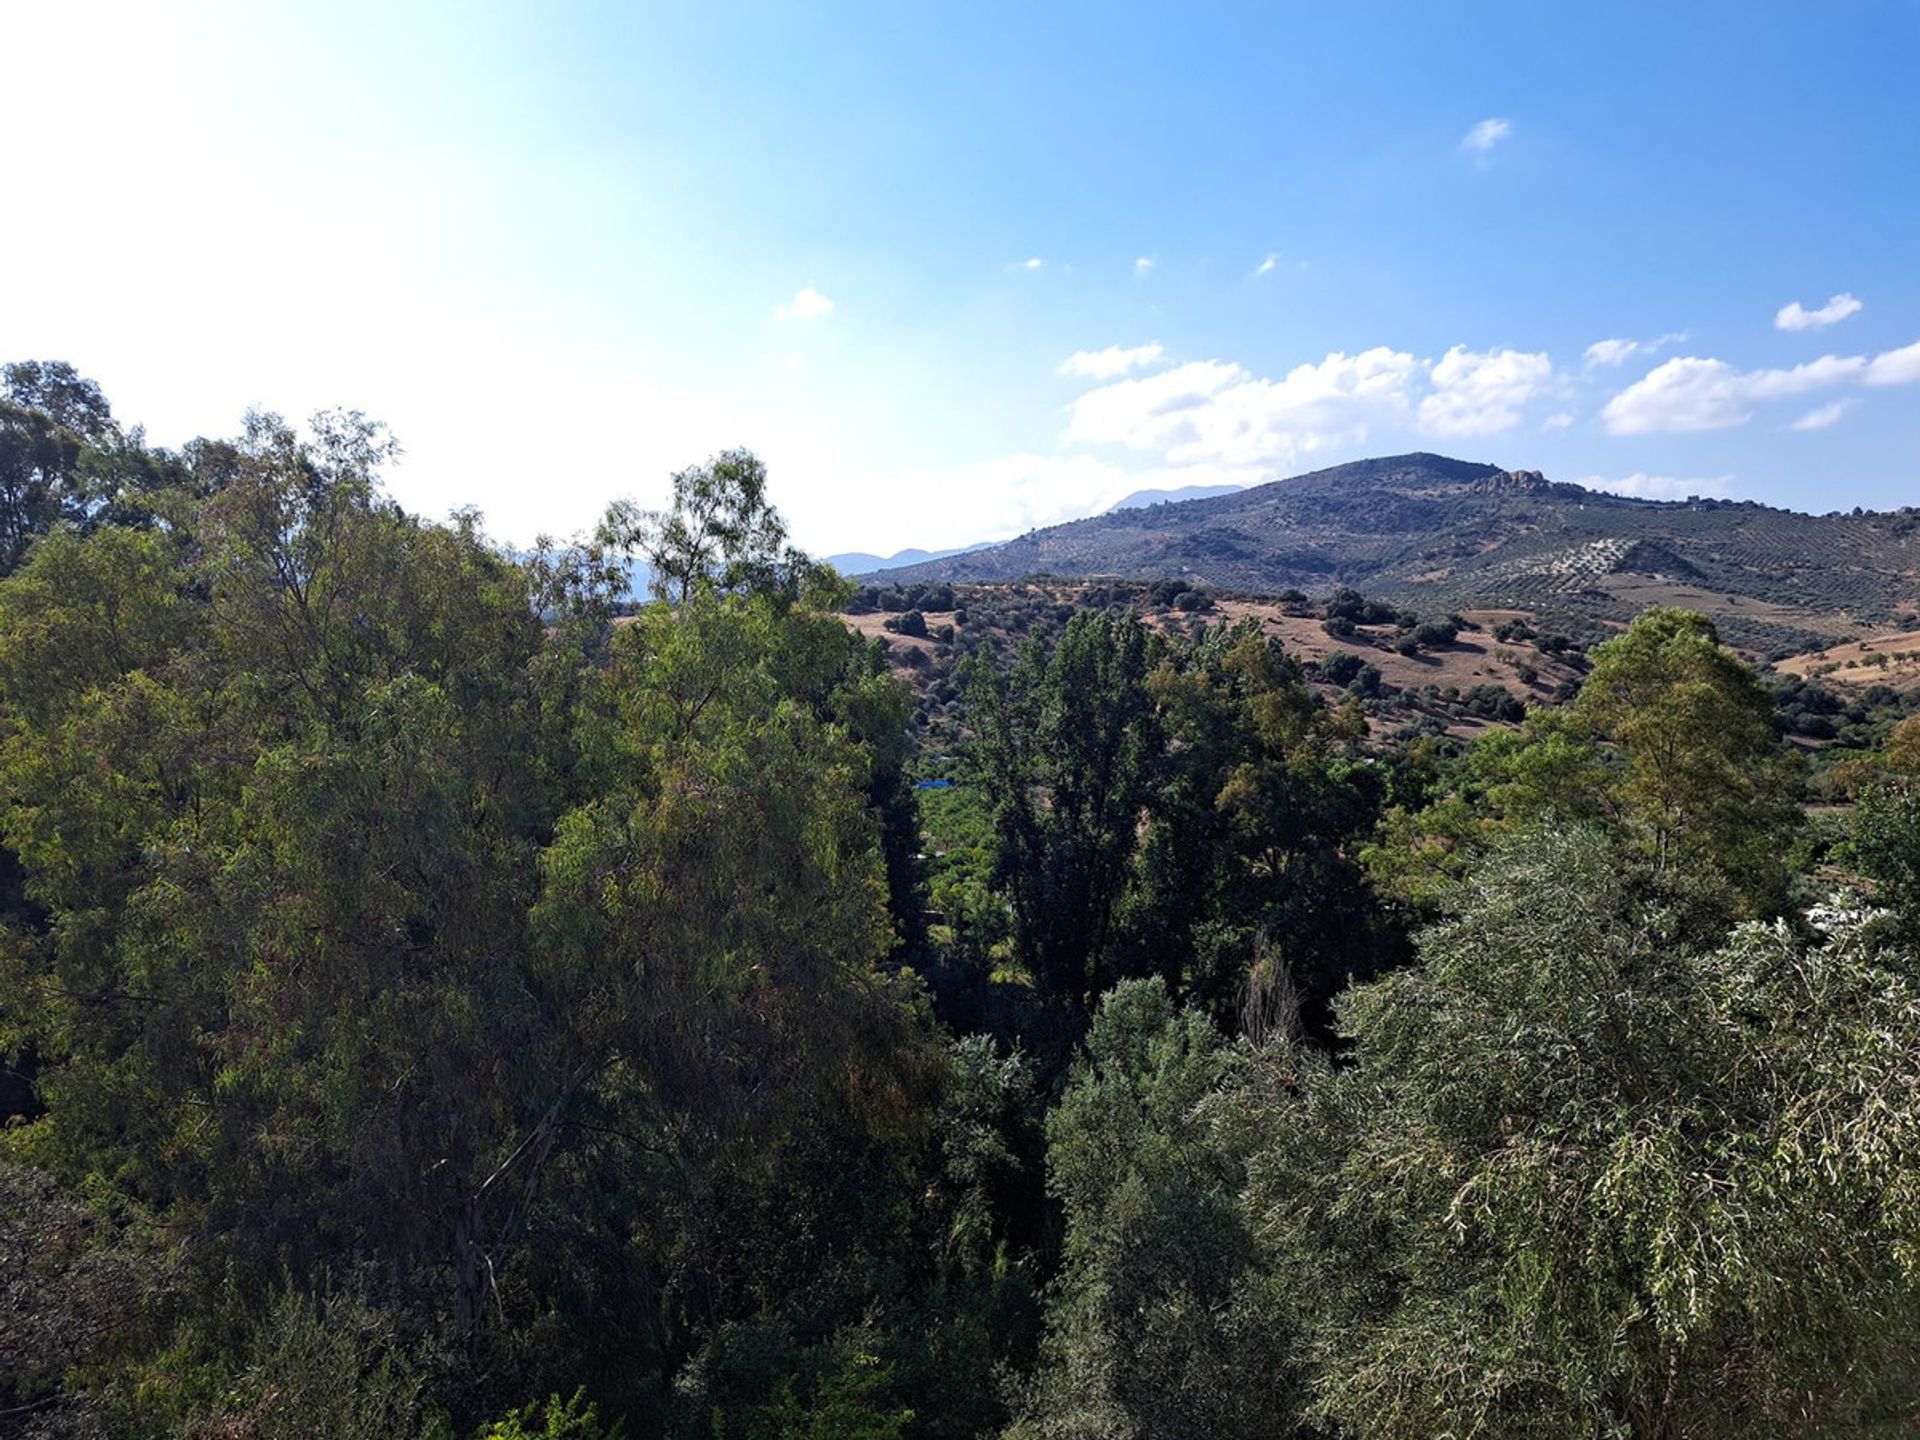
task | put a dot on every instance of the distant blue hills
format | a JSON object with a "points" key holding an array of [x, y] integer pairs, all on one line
{"points": [[859, 562], [1140, 499]]}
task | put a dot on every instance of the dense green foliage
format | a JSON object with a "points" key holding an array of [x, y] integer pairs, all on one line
{"points": [[443, 997]]}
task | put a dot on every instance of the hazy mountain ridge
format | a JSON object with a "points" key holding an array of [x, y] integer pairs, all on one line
{"points": [[1179, 495], [861, 562], [1438, 532]]}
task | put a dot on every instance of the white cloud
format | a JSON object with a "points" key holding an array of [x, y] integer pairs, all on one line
{"points": [[1267, 264], [1661, 487], [1111, 362], [1143, 265], [1032, 262], [1821, 418], [1837, 308], [1482, 393], [1008, 495], [1559, 421], [1484, 136], [1690, 393], [1611, 352], [1213, 410], [1894, 367], [808, 304]]}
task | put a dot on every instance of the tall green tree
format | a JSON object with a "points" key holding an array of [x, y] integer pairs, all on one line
{"points": [[1668, 747], [1883, 828], [1067, 749], [49, 416], [1158, 1325], [1252, 816], [1581, 1179], [395, 913], [1706, 790], [720, 531]]}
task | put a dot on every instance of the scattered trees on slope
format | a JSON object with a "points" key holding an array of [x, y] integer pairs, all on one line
{"points": [[422, 993]]}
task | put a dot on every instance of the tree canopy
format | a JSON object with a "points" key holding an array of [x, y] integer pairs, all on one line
{"points": [[445, 995]]}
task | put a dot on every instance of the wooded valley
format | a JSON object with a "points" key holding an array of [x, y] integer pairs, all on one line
{"points": [[444, 996]]}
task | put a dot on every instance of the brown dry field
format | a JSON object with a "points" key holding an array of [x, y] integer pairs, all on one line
{"points": [[875, 624], [1475, 659], [1644, 591], [1854, 664]]}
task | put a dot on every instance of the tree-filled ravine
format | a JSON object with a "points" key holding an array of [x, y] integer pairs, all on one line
{"points": [[444, 995]]}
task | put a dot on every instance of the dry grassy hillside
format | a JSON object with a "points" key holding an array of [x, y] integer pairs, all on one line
{"points": [[1440, 534], [1458, 687]]}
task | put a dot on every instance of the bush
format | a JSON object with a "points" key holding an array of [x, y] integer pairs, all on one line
{"points": [[1165, 594], [1491, 702], [1365, 684], [911, 623], [559, 1419], [1349, 604], [327, 1365], [1341, 667]]}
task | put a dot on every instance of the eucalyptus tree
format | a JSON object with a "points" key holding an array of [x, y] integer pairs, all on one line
{"points": [[386, 909], [1158, 1322], [1580, 1178]]}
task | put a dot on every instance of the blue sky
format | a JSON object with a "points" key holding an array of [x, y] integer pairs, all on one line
{"points": [[566, 248]]}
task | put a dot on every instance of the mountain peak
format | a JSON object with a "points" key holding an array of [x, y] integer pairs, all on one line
{"points": [[1439, 533], [1513, 482]]}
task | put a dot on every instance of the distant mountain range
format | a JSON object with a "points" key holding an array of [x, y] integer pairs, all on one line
{"points": [[859, 562], [1140, 499], [851, 563], [1439, 533]]}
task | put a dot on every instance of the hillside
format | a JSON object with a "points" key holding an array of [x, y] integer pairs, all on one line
{"points": [[1140, 499], [1438, 533]]}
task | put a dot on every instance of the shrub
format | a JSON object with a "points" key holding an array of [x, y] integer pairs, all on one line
{"points": [[1366, 683], [558, 1419], [1349, 604], [1341, 667]]}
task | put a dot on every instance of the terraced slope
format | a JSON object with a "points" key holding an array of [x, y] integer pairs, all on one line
{"points": [[1439, 533]]}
